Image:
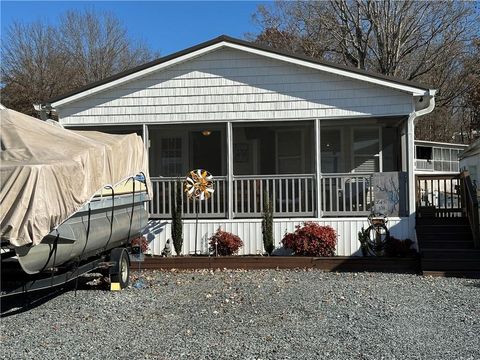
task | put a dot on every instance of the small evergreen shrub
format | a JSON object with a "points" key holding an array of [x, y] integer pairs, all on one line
{"points": [[267, 223], [177, 225], [225, 243], [311, 239]]}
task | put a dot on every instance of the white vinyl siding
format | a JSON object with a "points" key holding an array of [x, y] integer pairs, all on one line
{"points": [[250, 231], [230, 84]]}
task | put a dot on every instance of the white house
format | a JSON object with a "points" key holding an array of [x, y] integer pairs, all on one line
{"points": [[314, 135]]}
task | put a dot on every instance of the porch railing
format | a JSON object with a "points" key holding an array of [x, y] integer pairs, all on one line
{"points": [[291, 195], [470, 206], [164, 195], [346, 194], [439, 195]]}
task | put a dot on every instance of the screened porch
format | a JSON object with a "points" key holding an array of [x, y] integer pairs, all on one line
{"points": [[306, 168]]}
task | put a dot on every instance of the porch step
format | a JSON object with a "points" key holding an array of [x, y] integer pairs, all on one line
{"points": [[446, 247], [452, 254], [444, 229], [450, 265], [460, 236], [472, 274], [450, 260], [443, 221]]}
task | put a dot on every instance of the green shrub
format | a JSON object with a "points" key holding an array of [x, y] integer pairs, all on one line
{"points": [[177, 225], [267, 223]]}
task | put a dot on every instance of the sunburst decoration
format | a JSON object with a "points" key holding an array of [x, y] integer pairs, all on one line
{"points": [[199, 184]]}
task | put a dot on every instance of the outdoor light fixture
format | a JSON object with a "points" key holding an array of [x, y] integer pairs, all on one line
{"points": [[206, 132]]}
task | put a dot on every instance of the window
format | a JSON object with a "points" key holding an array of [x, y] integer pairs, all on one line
{"points": [[171, 160], [424, 152], [366, 149]]}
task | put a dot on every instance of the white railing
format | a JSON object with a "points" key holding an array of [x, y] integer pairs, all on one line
{"points": [[291, 195], [346, 194], [441, 193], [163, 189]]}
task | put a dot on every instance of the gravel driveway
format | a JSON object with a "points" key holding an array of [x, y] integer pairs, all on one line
{"points": [[262, 314]]}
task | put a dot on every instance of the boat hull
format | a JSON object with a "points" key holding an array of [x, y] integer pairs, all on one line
{"points": [[103, 224]]}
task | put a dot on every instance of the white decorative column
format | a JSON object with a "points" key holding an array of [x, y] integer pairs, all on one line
{"points": [[146, 139], [318, 167], [230, 168], [411, 163]]}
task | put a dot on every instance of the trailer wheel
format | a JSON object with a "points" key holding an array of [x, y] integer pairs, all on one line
{"points": [[120, 272]]}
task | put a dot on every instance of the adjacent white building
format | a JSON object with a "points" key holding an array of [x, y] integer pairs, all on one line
{"points": [[470, 161]]}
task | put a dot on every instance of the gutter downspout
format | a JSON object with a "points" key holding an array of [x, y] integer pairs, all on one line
{"points": [[411, 158]]}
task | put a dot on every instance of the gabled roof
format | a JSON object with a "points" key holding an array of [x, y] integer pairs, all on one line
{"points": [[227, 41]]}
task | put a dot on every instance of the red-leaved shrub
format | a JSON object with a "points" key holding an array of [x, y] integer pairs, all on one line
{"points": [[311, 239], [224, 243], [141, 242]]}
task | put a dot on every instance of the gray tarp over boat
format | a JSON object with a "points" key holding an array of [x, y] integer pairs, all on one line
{"points": [[47, 173]]}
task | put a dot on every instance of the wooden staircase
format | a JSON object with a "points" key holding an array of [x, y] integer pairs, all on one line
{"points": [[447, 247], [447, 226]]}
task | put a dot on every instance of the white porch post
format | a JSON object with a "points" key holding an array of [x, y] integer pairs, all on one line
{"points": [[318, 167], [404, 145], [411, 163], [230, 168], [146, 139], [411, 173]]}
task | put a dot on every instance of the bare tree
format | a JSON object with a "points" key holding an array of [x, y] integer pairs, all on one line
{"points": [[39, 61], [32, 68], [98, 45], [414, 40]]}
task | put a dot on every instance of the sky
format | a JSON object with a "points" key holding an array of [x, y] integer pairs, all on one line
{"points": [[166, 26]]}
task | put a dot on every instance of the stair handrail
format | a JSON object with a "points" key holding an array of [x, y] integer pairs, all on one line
{"points": [[470, 205]]}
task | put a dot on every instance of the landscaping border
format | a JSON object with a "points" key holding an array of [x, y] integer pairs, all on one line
{"points": [[335, 263]]}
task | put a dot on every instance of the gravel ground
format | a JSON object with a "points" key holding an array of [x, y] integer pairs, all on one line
{"points": [[262, 314]]}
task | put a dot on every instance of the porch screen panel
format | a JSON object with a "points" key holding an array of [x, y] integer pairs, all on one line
{"points": [[366, 147], [390, 149], [207, 152], [331, 147], [289, 152]]}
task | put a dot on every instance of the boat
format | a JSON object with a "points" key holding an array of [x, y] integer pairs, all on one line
{"points": [[70, 201]]}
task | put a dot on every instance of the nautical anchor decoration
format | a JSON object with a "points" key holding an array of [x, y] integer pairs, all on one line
{"points": [[199, 184]]}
